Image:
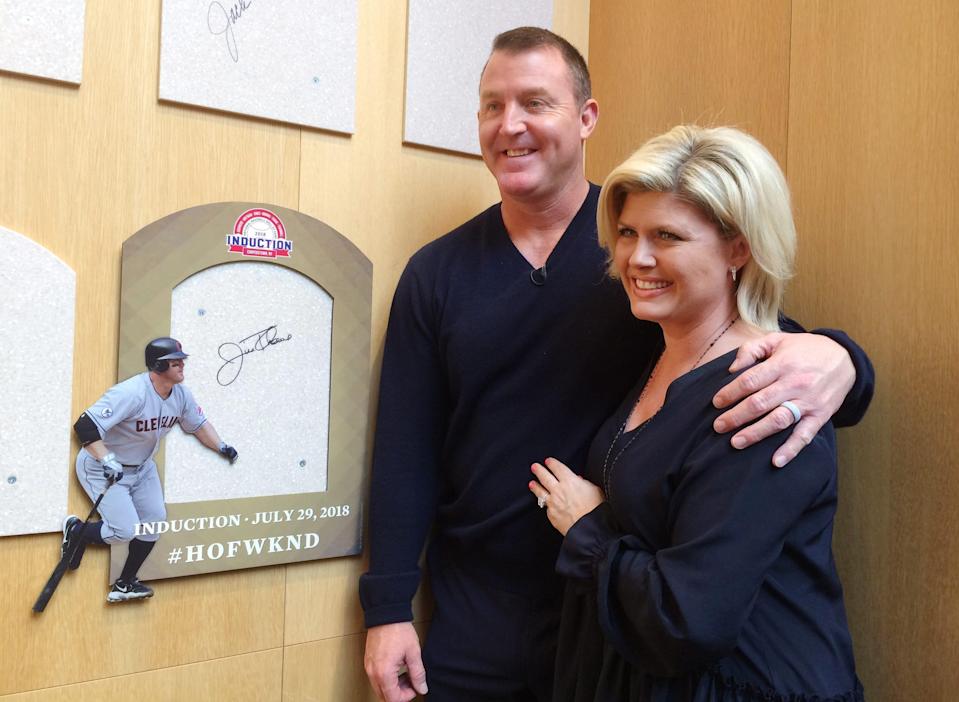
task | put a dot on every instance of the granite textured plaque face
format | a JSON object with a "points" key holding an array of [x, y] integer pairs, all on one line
{"points": [[37, 301], [42, 38], [448, 42], [292, 61], [273, 308], [259, 334]]}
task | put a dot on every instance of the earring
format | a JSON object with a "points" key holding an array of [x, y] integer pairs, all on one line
{"points": [[732, 270]]}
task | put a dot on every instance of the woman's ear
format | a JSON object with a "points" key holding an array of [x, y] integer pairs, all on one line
{"points": [[739, 252]]}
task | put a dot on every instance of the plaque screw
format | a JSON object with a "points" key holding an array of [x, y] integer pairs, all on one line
{"points": [[302, 464], [200, 312], [11, 479]]}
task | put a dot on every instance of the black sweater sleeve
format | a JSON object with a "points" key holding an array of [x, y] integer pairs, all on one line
{"points": [[857, 400], [410, 428]]}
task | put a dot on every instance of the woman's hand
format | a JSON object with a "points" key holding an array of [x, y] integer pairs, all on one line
{"points": [[565, 495]]}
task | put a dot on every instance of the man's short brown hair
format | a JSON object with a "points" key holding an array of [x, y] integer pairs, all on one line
{"points": [[516, 41]]}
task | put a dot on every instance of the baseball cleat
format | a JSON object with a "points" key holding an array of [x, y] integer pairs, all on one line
{"points": [[132, 590], [72, 532], [142, 586], [69, 533]]}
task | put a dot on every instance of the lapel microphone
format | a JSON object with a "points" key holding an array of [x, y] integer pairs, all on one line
{"points": [[538, 275]]}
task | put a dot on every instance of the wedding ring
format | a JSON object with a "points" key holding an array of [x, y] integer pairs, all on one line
{"points": [[796, 412], [541, 501]]}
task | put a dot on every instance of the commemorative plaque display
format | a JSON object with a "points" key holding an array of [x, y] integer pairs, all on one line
{"points": [[37, 303], [273, 308]]}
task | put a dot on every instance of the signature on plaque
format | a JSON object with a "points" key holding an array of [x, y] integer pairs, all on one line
{"points": [[233, 352], [220, 21]]}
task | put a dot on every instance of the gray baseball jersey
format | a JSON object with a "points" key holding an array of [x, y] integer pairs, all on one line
{"points": [[132, 417]]}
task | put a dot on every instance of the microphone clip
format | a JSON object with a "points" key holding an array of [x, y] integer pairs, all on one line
{"points": [[538, 276]]}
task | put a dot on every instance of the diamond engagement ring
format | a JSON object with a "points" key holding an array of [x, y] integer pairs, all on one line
{"points": [[541, 501]]}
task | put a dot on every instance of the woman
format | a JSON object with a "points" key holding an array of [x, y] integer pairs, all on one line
{"points": [[697, 572]]}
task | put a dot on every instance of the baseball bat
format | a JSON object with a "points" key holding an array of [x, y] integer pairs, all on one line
{"points": [[64, 563]]}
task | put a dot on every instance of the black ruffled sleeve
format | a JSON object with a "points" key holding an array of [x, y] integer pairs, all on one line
{"points": [[682, 607]]}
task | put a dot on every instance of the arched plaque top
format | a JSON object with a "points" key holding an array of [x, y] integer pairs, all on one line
{"points": [[162, 254]]}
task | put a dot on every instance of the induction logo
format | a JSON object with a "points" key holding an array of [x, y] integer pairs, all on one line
{"points": [[259, 233]]}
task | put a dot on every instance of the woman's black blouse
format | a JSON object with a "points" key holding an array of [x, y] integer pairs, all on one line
{"points": [[708, 575]]}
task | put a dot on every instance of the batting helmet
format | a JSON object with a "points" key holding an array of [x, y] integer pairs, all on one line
{"points": [[160, 352]]}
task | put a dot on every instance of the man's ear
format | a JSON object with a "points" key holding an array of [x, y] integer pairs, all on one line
{"points": [[588, 116]]}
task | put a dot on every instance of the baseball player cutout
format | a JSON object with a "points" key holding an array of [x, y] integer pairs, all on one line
{"points": [[120, 433]]}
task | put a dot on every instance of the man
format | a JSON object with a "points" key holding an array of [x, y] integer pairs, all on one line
{"points": [[506, 344], [120, 434]]}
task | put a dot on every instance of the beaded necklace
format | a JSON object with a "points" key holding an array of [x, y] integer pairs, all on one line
{"points": [[607, 465]]}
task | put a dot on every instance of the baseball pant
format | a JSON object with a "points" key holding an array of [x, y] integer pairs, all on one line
{"points": [[137, 498]]}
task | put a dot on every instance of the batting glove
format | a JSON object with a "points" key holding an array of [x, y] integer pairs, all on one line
{"points": [[228, 452], [112, 470]]}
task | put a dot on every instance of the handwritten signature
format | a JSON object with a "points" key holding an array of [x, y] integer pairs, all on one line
{"points": [[233, 352], [220, 21]]}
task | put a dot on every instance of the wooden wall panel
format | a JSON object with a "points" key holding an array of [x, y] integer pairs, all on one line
{"points": [[81, 169], [858, 100], [189, 619], [327, 671], [658, 63], [254, 677], [874, 167], [322, 600]]}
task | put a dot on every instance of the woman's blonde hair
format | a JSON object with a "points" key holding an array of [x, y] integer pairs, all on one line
{"points": [[732, 179]]}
